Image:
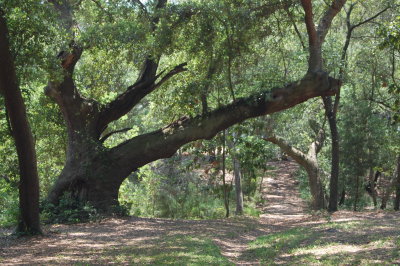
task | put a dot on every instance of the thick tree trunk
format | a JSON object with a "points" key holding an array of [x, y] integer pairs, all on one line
{"points": [[90, 175], [29, 180]]}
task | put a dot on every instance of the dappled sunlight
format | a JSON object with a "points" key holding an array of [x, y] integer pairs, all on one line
{"points": [[329, 250], [284, 231]]}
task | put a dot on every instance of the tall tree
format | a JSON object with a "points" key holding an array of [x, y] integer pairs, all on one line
{"points": [[29, 181], [331, 107], [94, 173], [397, 182]]}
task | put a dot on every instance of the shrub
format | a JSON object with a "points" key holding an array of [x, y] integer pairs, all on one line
{"points": [[69, 210]]}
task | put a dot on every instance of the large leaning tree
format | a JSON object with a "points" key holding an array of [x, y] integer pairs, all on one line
{"points": [[94, 173]]}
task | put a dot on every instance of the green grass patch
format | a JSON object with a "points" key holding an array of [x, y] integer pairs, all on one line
{"points": [[338, 243], [267, 248], [171, 250], [345, 225]]}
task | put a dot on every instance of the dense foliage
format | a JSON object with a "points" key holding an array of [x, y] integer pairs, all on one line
{"points": [[233, 49]]}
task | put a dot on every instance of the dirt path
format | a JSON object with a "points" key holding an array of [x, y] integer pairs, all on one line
{"points": [[113, 240], [283, 207]]}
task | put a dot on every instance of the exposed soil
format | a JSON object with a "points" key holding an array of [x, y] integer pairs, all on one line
{"points": [[283, 209]]}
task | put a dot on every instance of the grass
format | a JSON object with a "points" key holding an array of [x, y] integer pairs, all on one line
{"points": [[339, 243], [268, 247], [171, 250]]}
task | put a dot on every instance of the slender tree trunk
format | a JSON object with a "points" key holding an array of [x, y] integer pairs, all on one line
{"points": [[356, 194], [342, 197], [397, 198], [238, 177], [29, 181], [226, 195], [238, 186], [334, 180], [371, 186]]}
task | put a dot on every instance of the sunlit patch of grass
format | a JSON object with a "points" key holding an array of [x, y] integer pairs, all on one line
{"points": [[326, 254], [338, 243], [344, 225], [373, 253], [171, 250], [266, 248]]}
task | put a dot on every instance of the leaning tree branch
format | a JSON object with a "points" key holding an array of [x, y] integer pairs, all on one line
{"points": [[309, 21], [297, 155], [370, 19], [316, 37], [327, 18], [164, 142], [132, 96], [178, 69], [105, 137]]}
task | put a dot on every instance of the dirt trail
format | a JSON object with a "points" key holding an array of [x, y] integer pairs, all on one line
{"points": [[102, 243], [282, 195], [283, 207]]}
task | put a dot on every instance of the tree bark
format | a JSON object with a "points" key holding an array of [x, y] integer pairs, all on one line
{"points": [[29, 181]]}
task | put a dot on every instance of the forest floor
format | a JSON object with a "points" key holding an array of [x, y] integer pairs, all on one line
{"points": [[285, 233]]}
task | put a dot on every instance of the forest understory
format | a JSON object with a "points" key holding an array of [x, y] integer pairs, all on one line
{"points": [[285, 233]]}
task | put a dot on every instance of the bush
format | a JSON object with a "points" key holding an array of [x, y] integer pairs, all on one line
{"points": [[9, 204], [69, 210], [167, 189]]}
